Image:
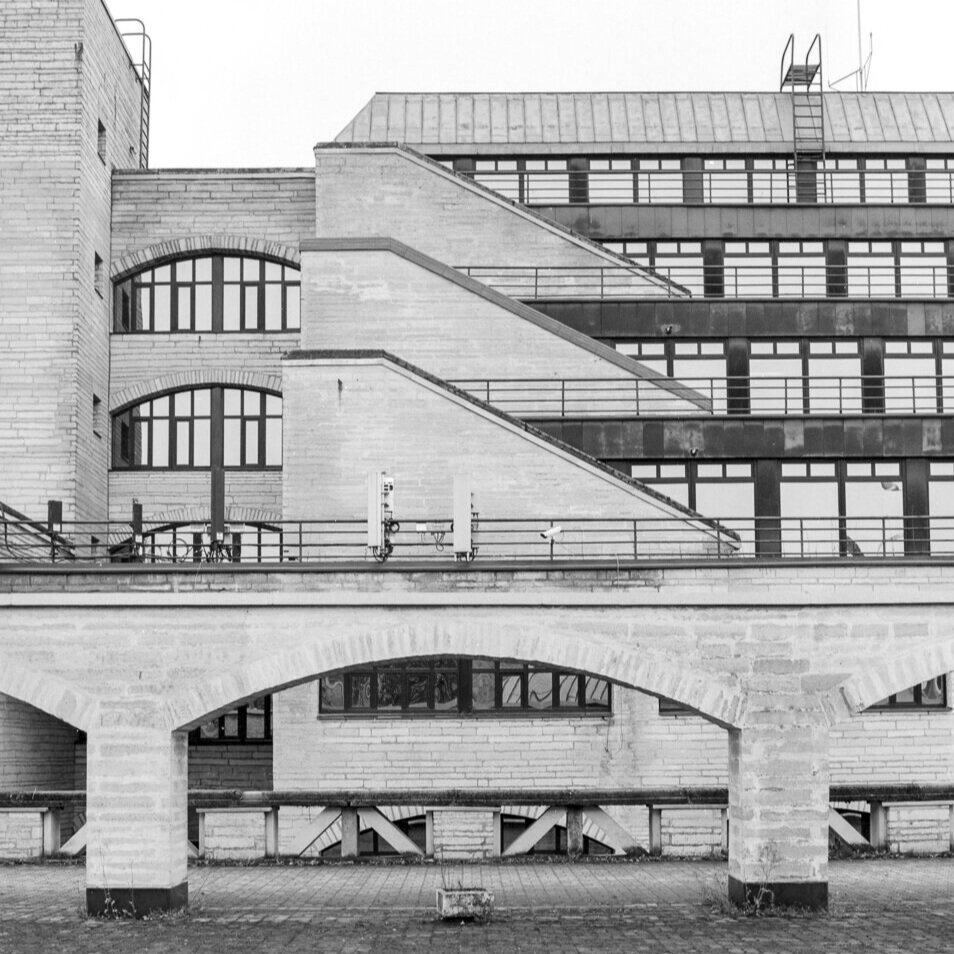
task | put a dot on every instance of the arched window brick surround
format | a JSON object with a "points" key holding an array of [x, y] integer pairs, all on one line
{"points": [[717, 699], [48, 693], [197, 245], [867, 688], [197, 378], [200, 514]]}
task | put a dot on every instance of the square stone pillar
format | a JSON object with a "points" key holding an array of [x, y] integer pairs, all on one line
{"points": [[778, 808], [136, 795]]}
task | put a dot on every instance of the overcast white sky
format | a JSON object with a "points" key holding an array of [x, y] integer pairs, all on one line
{"points": [[259, 82]]}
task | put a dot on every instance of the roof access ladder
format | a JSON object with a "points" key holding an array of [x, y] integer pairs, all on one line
{"points": [[808, 112], [139, 46]]}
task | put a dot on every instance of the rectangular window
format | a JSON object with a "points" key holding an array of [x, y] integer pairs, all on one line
{"points": [[885, 181], [923, 269], [772, 181], [611, 181], [775, 378], [101, 141], [99, 277], [801, 270], [701, 365], [871, 270], [726, 492], [748, 270], [939, 181], [808, 494], [941, 506], [725, 181], [874, 508], [834, 377], [840, 181], [910, 377], [659, 180]]}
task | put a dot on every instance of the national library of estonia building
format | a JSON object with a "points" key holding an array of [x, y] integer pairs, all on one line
{"points": [[536, 472]]}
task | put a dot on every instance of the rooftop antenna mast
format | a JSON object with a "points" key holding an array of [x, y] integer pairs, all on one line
{"points": [[864, 65]]}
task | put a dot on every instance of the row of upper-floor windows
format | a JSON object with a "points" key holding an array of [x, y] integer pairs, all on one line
{"points": [[807, 375], [203, 427], [817, 508], [819, 268], [214, 293], [632, 180]]}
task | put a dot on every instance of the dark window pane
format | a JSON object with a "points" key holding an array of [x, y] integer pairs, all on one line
{"points": [[389, 690], [417, 690], [597, 693], [332, 693], [511, 696], [361, 691], [932, 692], [445, 690], [569, 691], [482, 689], [540, 690]]}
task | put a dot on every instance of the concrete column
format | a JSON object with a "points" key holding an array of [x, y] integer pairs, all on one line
{"points": [[136, 852], [778, 806], [574, 830], [349, 832]]}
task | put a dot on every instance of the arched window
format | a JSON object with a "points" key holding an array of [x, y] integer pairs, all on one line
{"points": [[452, 686], [211, 293], [201, 427]]}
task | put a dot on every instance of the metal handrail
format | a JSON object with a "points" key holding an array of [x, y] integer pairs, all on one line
{"points": [[755, 186], [559, 538], [601, 397], [866, 277]]}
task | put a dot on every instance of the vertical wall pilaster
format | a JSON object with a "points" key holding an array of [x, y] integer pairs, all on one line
{"points": [[137, 786], [778, 806]]}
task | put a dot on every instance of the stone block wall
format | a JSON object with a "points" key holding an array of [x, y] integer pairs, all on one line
{"points": [[270, 205], [55, 219], [464, 833], [919, 829], [21, 834], [390, 192]]}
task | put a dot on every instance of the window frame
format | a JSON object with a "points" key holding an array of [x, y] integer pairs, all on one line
{"points": [[128, 290], [465, 709]]}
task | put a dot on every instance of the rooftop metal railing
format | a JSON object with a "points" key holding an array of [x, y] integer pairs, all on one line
{"points": [[730, 186], [610, 540], [879, 279], [778, 395]]}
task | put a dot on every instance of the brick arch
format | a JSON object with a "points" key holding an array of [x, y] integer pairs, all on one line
{"points": [[48, 693], [199, 513], [717, 699], [866, 688], [194, 378], [193, 245]]}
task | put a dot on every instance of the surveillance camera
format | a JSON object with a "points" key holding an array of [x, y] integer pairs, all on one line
{"points": [[551, 533]]}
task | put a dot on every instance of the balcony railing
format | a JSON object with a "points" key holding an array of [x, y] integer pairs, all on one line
{"points": [[783, 395], [721, 186], [694, 279], [531, 540]]}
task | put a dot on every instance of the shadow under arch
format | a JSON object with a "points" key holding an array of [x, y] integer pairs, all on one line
{"points": [[196, 245], [50, 694], [715, 699], [865, 688]]}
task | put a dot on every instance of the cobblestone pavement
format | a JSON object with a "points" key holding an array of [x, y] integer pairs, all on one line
{"points": [[889, 905]]}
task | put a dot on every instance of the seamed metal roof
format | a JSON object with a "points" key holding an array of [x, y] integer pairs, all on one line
{"points": [[647, 122]]}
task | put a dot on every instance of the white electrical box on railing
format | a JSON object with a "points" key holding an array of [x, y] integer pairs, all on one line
{"points": [[380, 509]]}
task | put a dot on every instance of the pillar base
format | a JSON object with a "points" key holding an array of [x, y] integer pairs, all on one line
{"points": [[135, 902], [801, 894]]}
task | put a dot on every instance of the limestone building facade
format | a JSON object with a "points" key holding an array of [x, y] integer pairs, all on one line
{"points": [[684, 363]]}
